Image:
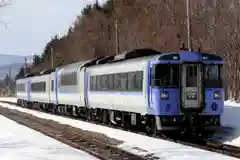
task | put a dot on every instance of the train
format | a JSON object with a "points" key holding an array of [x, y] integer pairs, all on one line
{"points": [[141, 88]]}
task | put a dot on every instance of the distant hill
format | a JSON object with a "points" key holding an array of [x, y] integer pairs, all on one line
{"points": [[6, 59], [15, 62]]}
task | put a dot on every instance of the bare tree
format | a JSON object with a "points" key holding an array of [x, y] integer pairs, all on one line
{"points": [[3, 4], [155, 24]]}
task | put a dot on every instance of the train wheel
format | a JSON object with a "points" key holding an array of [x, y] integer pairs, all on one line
{"points": [[105, 115], [154, 127], [151, 127], [89, 115]]}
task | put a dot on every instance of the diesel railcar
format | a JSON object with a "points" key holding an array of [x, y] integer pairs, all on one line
{"points": [[143, 88]]}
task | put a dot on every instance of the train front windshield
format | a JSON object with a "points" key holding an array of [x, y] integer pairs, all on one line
{"points": [[213, 75], [165, 75]]}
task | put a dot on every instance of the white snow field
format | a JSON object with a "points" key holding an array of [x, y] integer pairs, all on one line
{"points": [[135, 143], [18, 142]]}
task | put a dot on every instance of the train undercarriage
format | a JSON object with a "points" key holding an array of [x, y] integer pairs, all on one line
{"points": [[152, 125]]}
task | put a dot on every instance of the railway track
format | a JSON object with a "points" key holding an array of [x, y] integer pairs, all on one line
{"points": [[94, 145], [209, 144]]}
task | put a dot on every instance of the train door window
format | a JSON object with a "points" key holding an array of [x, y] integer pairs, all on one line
{"points": [[52, 85], [191, 75]]}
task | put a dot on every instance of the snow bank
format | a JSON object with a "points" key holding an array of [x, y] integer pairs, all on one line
{"points": [[9, 99], [135, 143], [231, 119]]}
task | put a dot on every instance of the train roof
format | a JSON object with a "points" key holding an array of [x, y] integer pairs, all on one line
{"points": [[132, 54], [43, 72], [127, 55]]}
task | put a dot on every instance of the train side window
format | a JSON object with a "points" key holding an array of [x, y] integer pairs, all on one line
{"points": [[99, 83], [21, 87], [117, 82], [131, 81], [73, 78], [69, 79], [135, 81], [94, 83], [38, 87], [123, 79], [110, 82], [76, 81], [139, 80], [106, 82], [103, 83], [52, 85], [91, 83]]}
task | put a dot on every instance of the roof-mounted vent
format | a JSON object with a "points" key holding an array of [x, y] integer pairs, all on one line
{"points": [[105, 60], [136, 53]]}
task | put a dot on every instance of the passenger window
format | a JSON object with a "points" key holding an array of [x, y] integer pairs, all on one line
{"points": [[110, 82], [139, 80], [123, 79], [117, 82], [52, 85]]}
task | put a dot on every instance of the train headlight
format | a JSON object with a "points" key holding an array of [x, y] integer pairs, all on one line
{"points": [[216, 95], [191, 96], [164, 95]]}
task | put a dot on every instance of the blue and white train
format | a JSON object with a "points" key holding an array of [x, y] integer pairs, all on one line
{"points": [[142, 88]]}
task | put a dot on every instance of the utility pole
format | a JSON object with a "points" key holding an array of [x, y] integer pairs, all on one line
{"points": [[52, 56], [25, 65], [117, 37], [188, 24], [9, 72]]}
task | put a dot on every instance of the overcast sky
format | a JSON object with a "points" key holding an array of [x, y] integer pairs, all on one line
{"points": [[31, 23]]}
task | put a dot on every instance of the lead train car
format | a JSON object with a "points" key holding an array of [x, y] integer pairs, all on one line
{"points": [[164, 91]]}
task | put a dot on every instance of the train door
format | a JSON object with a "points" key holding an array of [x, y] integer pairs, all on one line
{"points": [[191, 86], [51, 89], [28, 90], [83, 81]]}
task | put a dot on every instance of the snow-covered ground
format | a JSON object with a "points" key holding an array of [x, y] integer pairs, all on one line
{"points": [[135, 143], [18, 142], [231, 118]]}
